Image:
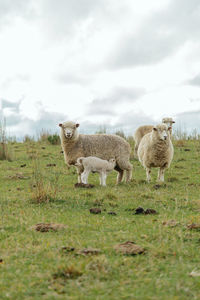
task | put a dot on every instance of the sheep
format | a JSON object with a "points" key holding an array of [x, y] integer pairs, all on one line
{"points": [[142, 130], [156, 150], [104, 146], [95, 164]]}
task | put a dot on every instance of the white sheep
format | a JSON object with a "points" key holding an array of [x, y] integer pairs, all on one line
{"points": [[156, 150], [142, 130], [104, 146], [95, 165]]}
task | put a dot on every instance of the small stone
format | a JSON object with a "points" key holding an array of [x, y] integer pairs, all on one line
{"points": [[95, 210]]}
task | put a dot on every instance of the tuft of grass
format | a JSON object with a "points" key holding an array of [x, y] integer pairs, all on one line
{"points": [[5, 147]]}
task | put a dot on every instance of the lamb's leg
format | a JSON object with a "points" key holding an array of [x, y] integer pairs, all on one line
{"points": [[161, 172], [103, 176], [79, 171], [148, 172], [124, 165], [129, 172], [84, 176]]}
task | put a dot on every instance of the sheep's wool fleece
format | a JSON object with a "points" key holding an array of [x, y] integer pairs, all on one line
{"points": [[104, 146], [153, 152]]}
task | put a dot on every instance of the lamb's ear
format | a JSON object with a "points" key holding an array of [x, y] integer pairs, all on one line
{"points": [[169, 128], [77, 125], [60, 124], [155, 129]]}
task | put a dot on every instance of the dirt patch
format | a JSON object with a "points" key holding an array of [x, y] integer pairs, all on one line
{"points": [[45, 227], [18, 176], [95, 210], [129, 248], [170, 223], [67, 273], [89, 251], [193, 226], [83, 185]]}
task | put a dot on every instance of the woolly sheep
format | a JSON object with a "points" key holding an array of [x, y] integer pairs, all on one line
{"points": [[95, 164], [142, 130], [104, 146], [156, 150]]}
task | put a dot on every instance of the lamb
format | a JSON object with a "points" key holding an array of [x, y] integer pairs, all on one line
{"points": [[95, 164], [142, 130], [104, 146], [156, 150]]}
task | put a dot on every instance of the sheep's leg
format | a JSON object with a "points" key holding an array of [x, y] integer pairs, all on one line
{"points": [[135, 150], [100, 178], [161, 174], [120, 176], [84, 176], [148, 172], [129, 172]]}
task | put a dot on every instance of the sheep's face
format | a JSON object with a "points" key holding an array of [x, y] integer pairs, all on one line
{"points": [[168, 121], [69, 129], [162, 132]]}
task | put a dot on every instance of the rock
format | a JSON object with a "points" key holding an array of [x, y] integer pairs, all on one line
{"points": [[129, 248], [95, 210], [45, 227]]}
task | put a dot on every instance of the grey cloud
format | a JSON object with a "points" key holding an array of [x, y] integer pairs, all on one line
{"points": [[160, 36], [127, 122], [188, 121], [47, 120], [70, 78], [107, 105], [194, 81]]}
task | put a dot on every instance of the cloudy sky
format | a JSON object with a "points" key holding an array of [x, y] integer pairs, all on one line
{"points": [[118, 64]]}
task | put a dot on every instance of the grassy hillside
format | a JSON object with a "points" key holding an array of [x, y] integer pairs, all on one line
{"points": [[33, 265]]}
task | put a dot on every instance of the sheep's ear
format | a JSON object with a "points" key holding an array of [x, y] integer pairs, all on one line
{"points": [[77, 125], [60, 124], [155, 129], [169, 128]]}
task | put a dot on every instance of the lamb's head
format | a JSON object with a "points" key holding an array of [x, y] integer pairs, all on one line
{"points": [[161, 132], [69, 130], [112, 161], [168, 121]]}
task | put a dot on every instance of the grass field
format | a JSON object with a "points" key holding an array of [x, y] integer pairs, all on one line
{"points": [[33, 264]]}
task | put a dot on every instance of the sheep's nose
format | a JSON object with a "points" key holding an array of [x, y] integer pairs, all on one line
{"points": [[165, 137]]}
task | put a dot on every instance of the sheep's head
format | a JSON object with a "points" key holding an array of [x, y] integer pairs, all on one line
{"points": [[162, 132], [168, 121], [69, 129]]}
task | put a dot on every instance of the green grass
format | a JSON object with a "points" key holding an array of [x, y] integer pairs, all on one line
{"points": [[35, 267]]}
